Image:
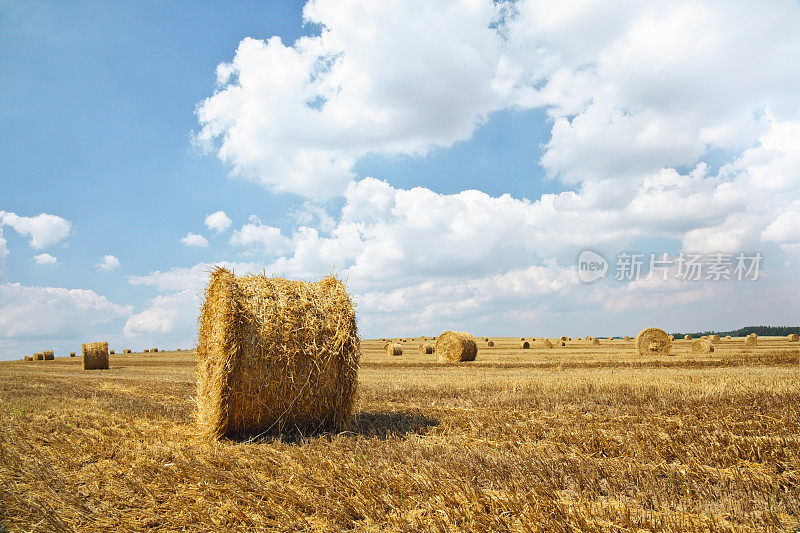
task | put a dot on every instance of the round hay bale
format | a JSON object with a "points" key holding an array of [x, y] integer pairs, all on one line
{"points": [[793, 337], [394, 349], [525, 345], [455, 347], [38, 356], [595, 342], [95, 355], [490, 343], [111, 352], [610, 338], [562, 338], [49, 355], [425, 348], [146, 351], [702, 346], [752, 335], [522, 338], [672, 337], [687, 337], [275, 356], [563, 343], [153, 350], [653, 341], [751, 341], [547, 344], [126, 350], [714, 338], [728, 337], [628, 338], [486, 339], [28, 358], [72, 354]]}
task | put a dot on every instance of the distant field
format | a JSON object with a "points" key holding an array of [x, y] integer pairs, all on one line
{"points": [[574, 438]]}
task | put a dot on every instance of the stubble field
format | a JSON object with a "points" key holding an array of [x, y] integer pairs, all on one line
{"points": [[574, 438]]}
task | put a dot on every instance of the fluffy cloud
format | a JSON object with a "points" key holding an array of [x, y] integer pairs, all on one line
{"points": [[218, 221], [163, 315], [53, 312], [193, 239], [256, 234], [376, 79], [43, 230], [107, 263], [45, 259]]}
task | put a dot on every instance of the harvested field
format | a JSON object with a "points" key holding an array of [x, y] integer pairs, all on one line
{"points": [[575, 438]]}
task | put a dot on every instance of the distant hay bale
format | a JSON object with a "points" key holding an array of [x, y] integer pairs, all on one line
{"points": [[562, 338], [653, 341], [702, 346], [752, 335], [628, 338], [522, 338], [687, 337], [563, 343], [525, 345], [275, 356], [394, 349], [672, 337], [28, 358], [111, 352], [490, 343], [750, 341], [126, 350], [425, 348], [486, 339], [49, 355], [153, 350], [595, 342], [95, 355], [455, 346], [714, 338], [38, 356], [72, 354], [728, 337], [547, 344], [146, 351], [793, 337], [610, 338]]}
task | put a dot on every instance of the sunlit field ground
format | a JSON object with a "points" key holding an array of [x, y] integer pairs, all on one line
{"points": [[574, 438]]}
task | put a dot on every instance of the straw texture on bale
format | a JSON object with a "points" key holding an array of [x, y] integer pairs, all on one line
{"points": [[425, 348], [28, 358], [751, 341], [72, 354], [714, 338], [49, 355], [490, 343], [455, 346], [95, 355], [687, 337], [525, 345], [547, 344], [702, 346], [394, 349], [794, 337], [653, 341], [275, 356]]}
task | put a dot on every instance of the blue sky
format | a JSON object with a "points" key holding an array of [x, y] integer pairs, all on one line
{"points": [[130, 122]]}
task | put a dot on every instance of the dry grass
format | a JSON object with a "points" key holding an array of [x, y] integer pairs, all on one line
{"points": [[582, 438]]}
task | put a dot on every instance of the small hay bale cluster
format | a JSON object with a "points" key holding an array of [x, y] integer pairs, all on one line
{"points": [[394, 349], [525, 345], [455, 347], [702, 346], [95, 355], [426, 348], [275, 356], [653, 341]]}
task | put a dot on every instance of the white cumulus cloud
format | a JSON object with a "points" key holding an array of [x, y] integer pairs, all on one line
{"points": [[45, 259], [218, 221], [107, 263], [193, 239], [43, 230]]}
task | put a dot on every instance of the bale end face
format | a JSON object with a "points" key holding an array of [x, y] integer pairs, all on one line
{"points": [[525, 345], [794, 337], [490, 343], [49, 355], [276, 356], [425, 348], [72, 354], [687, 337], [95, 355], [455, 347], [394, 349], [702, 346], [653, 341]]}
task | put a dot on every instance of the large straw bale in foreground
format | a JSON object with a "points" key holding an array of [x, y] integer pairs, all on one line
{"points": [[702, 346], [95, 355], [653, 341], [275, 356], [455, 346]]}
